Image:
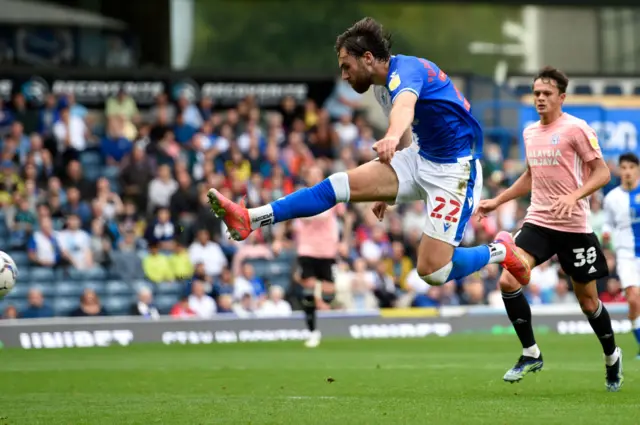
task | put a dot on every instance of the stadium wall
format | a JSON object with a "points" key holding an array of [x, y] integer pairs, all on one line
{"points": [[385, 324]]}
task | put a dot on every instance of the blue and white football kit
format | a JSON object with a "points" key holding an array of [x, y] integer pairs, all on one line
{"points": [[442, 166]]}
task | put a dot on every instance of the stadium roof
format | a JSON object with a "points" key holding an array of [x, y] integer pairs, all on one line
{"points": [[36, 13]]}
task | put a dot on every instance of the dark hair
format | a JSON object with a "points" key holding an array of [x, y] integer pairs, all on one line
{"points": [[366, 35], [551, 73], [629, 157]]}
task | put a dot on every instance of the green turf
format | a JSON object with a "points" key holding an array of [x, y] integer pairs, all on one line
{"points": [[453, 380]]}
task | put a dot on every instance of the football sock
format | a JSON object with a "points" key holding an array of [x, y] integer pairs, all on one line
{"points": [[309, 308], [519, 313], [601, 324], [636, 329], [466, 261], [306, 202]]}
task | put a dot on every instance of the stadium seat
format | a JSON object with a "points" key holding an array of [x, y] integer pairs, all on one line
{"points": [[164, 303], [118, 287], [584, 90], [47, 289], [282, 281], [68, 289], [19, 291], [138, 284], [169, 288], [117, 305], [97, 273], [41, 274], [260, 266], [19, 303], [613, 90], [522, 90], [65, 305], [20, 258]]}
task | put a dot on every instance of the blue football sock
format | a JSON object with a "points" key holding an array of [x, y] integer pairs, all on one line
{"points": [[636, 332], [468, 260], [310, 201]]}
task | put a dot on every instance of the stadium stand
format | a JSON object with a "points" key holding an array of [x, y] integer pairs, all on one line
{"points": [[98, 205]]}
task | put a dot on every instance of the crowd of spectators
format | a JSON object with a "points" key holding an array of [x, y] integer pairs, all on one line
{"points": [[121, 194]]}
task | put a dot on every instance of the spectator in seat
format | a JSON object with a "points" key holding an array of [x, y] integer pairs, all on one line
{"points": [[473, 290], [190, 113], [202, 304], [562, 294], [275, 305], [203, 250], [162, 188], [43, 247], [75, 205], [184, 130], [251, 283], [185, 202], [10, 183], [109, 201], [11, 312], [137, 172], [384, 288], [21, 140], [163, 106], [114, 145], [225, 303], [162, 230], [181, 309], [76, 243], [122, 104], [21, 221], [157, 267], [181, 263], [48, 115], [144, 306], [37, 308], [74, 178], [614, 292], [100, 243], [126, 262], [71, 133], [89, 305], [244, 307], [398, 265]]}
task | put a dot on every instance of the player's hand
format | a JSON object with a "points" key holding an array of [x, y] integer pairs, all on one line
{"points": [[386, 148], [563, 206], [379, 208], [485, 207]]}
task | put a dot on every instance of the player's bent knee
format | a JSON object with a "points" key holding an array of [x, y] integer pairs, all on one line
{"points": [[438, 277], [589, 304], [308, 300], [373, 181]]}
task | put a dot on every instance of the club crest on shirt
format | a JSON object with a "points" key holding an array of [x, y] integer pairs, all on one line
{"points": [[555, 139], [594, 142], [394, 83]]}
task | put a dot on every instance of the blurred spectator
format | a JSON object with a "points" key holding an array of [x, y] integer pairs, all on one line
{"points": [[202, 304], [562, 294], [275, 305], [344, 100], [43, 247], [398, 265], [76, 244], [181, 262], [10, 313], [205, 251], [162, 230], [162, 188], [71, 132], [614, 292], [145, 307], [122, 104], [37, 308], [156, 265], [244, 307], [89, 305], [181, 309]]}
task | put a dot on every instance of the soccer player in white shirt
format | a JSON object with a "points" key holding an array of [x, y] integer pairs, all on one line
{"points": [[622, 227]]}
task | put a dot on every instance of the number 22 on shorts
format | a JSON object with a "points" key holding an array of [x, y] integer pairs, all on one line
{"points": [[451, 213]]}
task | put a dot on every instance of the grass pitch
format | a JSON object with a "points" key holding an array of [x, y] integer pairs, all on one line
{"points": [[453, 380]]}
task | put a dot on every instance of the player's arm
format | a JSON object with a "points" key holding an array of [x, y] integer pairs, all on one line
{"points": [[405, 140], [401, 115]]}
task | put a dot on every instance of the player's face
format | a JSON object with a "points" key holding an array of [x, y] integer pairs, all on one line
{"points": [[629, 173], [547, 97], [356, 71]]}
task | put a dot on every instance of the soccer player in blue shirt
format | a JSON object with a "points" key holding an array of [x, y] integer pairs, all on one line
{"points": [[441, 168]]}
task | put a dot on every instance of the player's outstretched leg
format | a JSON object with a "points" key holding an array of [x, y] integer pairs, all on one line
{"points": [[600, 322], [519, 313], [372, 181]]}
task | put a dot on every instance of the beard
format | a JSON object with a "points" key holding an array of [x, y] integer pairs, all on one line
{"points": [[361, 85]]}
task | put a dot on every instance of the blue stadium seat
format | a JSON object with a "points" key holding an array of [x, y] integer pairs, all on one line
{"points": [[92, 173], [41, 274], [68, 289], [583, 89], [65, 305], [169, 288], [47, 289], [100, 288], [20, 304], [118, 287], [137, 284], [279, 267], [97, 273], [283, 281], [19, 291], [165, 303], [20, 258], [260, 266], [613, 90], [117, 306]]}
